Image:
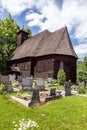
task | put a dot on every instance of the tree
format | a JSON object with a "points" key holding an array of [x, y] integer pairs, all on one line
{"points": [[8, 40], [85, 63], [29, 32], [61, 77], [82, 70], [8, 30]]}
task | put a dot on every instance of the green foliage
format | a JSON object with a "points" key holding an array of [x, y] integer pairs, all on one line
{"points": [[60, 87], [15, 84], [85, 63], [8, 31], [29, 32], [8, 40], [81, 90], [53, 81], [2, 88], [61, 77], [82, 70]]}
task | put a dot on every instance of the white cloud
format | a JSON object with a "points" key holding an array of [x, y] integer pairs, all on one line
{"points": [[81, 50], [15, 7], [34, 19], [47, 14]]}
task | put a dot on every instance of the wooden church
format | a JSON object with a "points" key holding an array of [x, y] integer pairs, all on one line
{"points": [[44, 54]]}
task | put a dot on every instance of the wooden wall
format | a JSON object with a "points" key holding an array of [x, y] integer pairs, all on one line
{"points": [[69, 67], [44, 68], [47, 66]]}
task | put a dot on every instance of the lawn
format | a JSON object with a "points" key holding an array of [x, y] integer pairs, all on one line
{"points": [[68, 113]]}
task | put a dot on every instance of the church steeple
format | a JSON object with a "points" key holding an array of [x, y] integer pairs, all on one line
{"points": [[22, 35]]}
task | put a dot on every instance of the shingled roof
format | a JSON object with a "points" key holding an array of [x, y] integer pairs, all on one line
{"points": [[46, 43]]}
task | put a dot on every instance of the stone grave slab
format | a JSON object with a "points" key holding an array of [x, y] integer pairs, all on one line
{"points": [[27, 83], [67, 87], [4, 79], [35, 97], [40, 84]]}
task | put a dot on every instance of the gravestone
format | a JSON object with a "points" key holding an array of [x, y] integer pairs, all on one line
{"points": [[40, 84], [20, 79], [82, 84], [11, 78], [49, 80], [27, 83], [67, 87], [4, 79], [35, 97], [52, 95], [52, 91], [9, 88]]}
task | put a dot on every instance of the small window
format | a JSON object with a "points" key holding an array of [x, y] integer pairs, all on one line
{"points": [[61, 65]]}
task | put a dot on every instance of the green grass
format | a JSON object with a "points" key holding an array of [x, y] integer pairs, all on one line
{"points": [[68, 113]]}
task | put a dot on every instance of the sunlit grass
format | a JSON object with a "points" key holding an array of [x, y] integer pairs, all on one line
{"points": [[68, 113]]}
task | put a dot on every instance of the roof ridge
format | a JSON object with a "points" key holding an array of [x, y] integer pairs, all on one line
{"points": [[60, 29], [46, 30], [40, 43], [60, 39]]}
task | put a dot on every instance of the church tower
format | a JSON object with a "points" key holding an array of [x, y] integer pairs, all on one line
{"points": [[22, 35]]}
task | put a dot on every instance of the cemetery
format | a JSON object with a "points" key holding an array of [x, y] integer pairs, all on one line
{"points": [[38, 90], [43, 101]]}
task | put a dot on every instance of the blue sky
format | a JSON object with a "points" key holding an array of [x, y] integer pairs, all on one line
{"points": [[39, 15]]}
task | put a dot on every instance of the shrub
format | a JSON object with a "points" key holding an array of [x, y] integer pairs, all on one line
{"points": [[2, 88], [53, 81], [60, 87], [15, 84], [61, 77], [81, 90]]}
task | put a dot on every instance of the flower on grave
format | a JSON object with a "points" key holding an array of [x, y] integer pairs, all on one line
{"points": [[25, 124]]}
